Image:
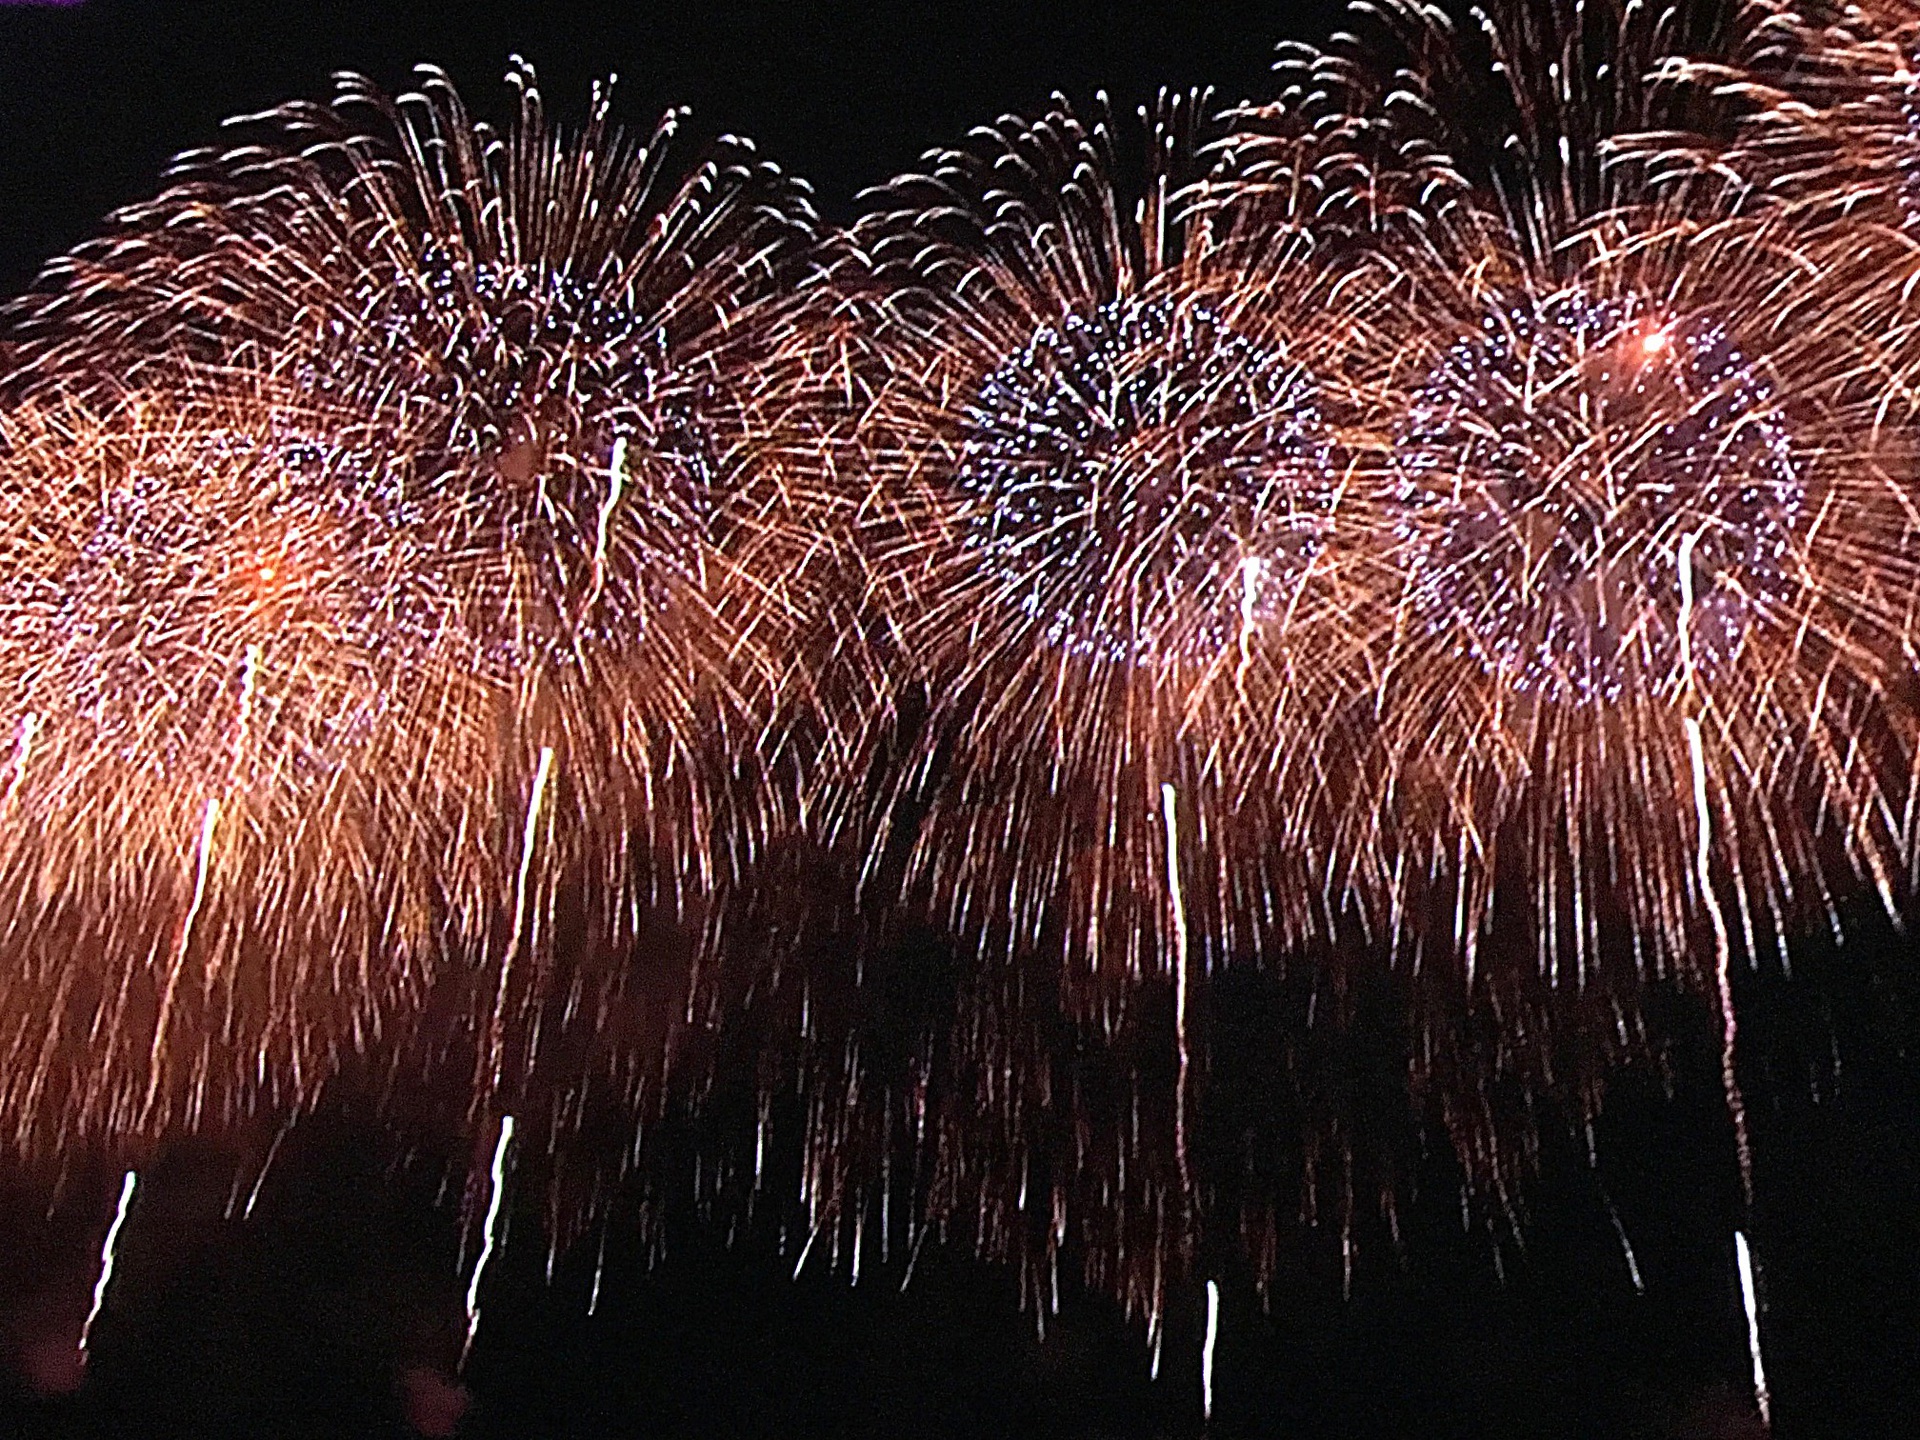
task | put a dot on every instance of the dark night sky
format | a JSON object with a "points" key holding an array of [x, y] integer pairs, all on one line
{"points": [[93, 99], [317, 1318]]}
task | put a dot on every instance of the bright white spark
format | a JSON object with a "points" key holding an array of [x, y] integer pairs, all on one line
{"points": [[209, 818], [1750, 1298], [1252, 571], [253, 1196], [616, 486], [1206, 1352], [1626, 1249], [489, 1233], [599, 1268], [496, 1031], [109, 1252], [1169, 809]]}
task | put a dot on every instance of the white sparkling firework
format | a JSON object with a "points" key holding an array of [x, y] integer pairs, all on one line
{"points": [[109, 1254], [1206, 1351], [1750, 1299], [490, 1232], [1106, 537]]}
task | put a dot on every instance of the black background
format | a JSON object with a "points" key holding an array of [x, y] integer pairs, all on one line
{"points": [[312, 1318]]}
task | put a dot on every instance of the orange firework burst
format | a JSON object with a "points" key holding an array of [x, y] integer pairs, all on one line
{"points": [[214, 674], [1095, 433], [1638, 665], [1104, 446], [527, 362]]}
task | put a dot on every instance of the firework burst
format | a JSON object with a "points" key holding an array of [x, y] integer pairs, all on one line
{"points": [[1638, 481], [534, 353], [1106, 444], [211, 667]]}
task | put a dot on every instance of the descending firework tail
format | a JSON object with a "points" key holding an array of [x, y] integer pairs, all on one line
{"points": [[533, 355]]}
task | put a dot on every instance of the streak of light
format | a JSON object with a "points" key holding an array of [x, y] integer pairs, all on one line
{"points": [[1626, 1246], [599, 1269], [209, 818], [490, 1233], [23, 748], [616, 485], [488, 1082], [1750, 1299], [109, 1253], [253, 1196], [1206, 1351], [1723, 978], [1169, 808]]}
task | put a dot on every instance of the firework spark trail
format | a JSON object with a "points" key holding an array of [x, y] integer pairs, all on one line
{"points": [[497, 1184], [1709, 896], [487, 1080], [1206, 1350], [1626, 1245], [22, 751], [1176, 900], [203, 851], [1723, 976], [616, 485], [599, 1269], [266, 1165], [109, 1254], [1750, 1301]]}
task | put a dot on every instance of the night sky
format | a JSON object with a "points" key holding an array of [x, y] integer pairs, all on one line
{"points": [[328, 1313]]}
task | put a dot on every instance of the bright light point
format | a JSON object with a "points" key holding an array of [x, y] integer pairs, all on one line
{"points": [[489, 1232], [1655, 342], [1206, 1353], [1750, 1300], [109, 1253]]}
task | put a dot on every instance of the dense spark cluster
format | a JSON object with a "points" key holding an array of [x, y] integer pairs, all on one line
{"points": [[1543, 568], [1104, 471], [1438, 545], [454, 532], [1140, 469]]}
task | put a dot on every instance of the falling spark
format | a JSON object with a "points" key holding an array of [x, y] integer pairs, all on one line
{"points": [[23, 748], [209, 817], [1169, 800], [489, 1234], [1626, 1247], [489, 1080], [253, 1196], [1750, 1298], [599, 1269], [109, 1253], [1206, 1353], [1703, 874], [616, 484], [1723, 978]]}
